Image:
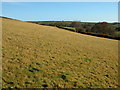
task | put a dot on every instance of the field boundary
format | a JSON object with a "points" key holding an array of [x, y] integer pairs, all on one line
{"points": [[88, 33]]}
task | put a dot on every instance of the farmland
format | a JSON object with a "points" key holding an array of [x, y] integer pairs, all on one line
{"points": [[37, 56]]}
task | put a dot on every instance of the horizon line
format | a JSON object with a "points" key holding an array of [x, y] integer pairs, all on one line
{"points": [[61, 20]]}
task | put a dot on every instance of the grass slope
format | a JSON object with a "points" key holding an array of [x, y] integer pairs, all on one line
{"points": [[36, 56]]}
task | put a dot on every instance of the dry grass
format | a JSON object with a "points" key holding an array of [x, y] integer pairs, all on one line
{"points": [[36, 56]]}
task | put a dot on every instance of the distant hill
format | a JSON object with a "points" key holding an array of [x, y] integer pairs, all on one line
{"points": [[37, 56]]}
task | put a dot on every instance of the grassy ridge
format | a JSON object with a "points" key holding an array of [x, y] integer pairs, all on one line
{"points": [[43, 56]]}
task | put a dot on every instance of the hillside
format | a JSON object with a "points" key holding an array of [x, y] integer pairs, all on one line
{"points": [[36, 56]]}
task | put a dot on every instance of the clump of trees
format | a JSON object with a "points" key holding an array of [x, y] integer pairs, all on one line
{"points": [[75, 24], [104, 28], [80, 29], [84, 27], [87, 27]]}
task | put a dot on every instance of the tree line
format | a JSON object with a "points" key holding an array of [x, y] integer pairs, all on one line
{"points": [[104, 28]]}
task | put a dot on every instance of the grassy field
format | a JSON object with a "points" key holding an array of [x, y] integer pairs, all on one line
{"points": [[36, 56], [69, 28]]}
